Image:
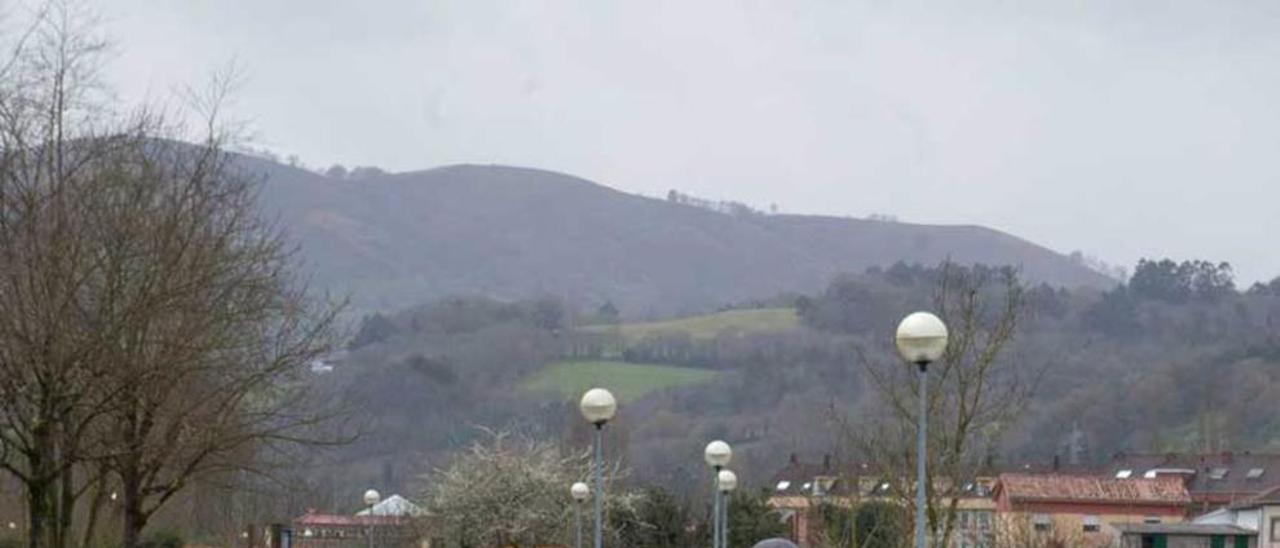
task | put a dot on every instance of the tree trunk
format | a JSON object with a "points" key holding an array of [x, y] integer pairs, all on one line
{"points": [[39, 510], [95, 506], [135, 519], [40, 490], [66, 507]]}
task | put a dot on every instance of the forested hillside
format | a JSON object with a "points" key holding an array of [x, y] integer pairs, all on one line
{"points": [[1177, 358]]}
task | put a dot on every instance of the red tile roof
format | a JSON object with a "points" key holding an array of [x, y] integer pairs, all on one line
{"points": [[1092, 489], [342, 520]]}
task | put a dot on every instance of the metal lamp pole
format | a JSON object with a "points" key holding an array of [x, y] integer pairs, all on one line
{"points": [[371, 498], [717, 455], [598, 406], [922, 424], [726, 482], [715, 511], [921, 339], [579, 491]]}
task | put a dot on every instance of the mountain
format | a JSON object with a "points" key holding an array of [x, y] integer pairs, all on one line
{"points": [[507, 232]]}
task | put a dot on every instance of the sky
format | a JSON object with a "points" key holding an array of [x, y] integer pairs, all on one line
{"points": [[1121, 129]]}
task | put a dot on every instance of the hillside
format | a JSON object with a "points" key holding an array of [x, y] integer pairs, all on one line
{"points": [[513, 232], [707, 326]]}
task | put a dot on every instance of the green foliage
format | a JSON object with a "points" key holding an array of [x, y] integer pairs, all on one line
{"points": [[837, 526], [751, 520], [628, 381], [1171, 282], [881, 525], [164, 539]]}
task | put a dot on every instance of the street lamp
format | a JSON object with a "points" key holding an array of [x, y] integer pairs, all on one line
{"points": [[726, 481], [717, 454], [579, 491], [598, 406], [921, 340], [371, 498]]}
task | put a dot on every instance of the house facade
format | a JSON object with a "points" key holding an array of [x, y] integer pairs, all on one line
{"points": [[1260, 515], [800, 490], [1080, 510]]}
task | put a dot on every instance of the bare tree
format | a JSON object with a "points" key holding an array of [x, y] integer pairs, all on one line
{"points": [[214, 335], [154, 327], [974, 395], [1017, 530], [51, 143], [508, 491]]}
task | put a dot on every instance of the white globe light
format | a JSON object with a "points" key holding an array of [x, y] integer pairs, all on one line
{"points": [[921, 338], [580, 491], [718, 454], [727, 480], [371, 497], [598, 406]]}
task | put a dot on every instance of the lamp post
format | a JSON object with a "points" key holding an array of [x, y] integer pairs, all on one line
{"points": [[921, 339], [598, 406], [579, 491], [717, 454], [371, 498], [726, 481]]}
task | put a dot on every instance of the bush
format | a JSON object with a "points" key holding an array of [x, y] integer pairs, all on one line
{"points": [[164, 539]]}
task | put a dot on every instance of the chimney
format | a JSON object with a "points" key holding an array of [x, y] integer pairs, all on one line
{"points": [[1056, 463], [793, 459], [826, 462]]}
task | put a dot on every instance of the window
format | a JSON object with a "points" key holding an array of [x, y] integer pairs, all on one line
{"points": [[1275, 529], [1218, 473], [1124, 474], [963, 518], [1041, 522], [1151, 519], [1092, 524], [984, 520], [1254, 473], [783, 485]]}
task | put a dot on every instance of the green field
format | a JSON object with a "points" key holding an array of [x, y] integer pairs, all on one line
{"points": [[708, 326], [627, 381]]}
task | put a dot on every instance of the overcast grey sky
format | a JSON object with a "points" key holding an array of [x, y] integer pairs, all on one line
{"points": [[1120, 128]]}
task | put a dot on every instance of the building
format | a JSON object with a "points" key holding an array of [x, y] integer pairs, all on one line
{"points": [[1184, 535], [801, 489], [394, 523], [1214, 480], [317, 530], [1260, 515], [1082, 510]]}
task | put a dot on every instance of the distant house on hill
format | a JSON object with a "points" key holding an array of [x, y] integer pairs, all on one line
{"points": [[1214, 480]]}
